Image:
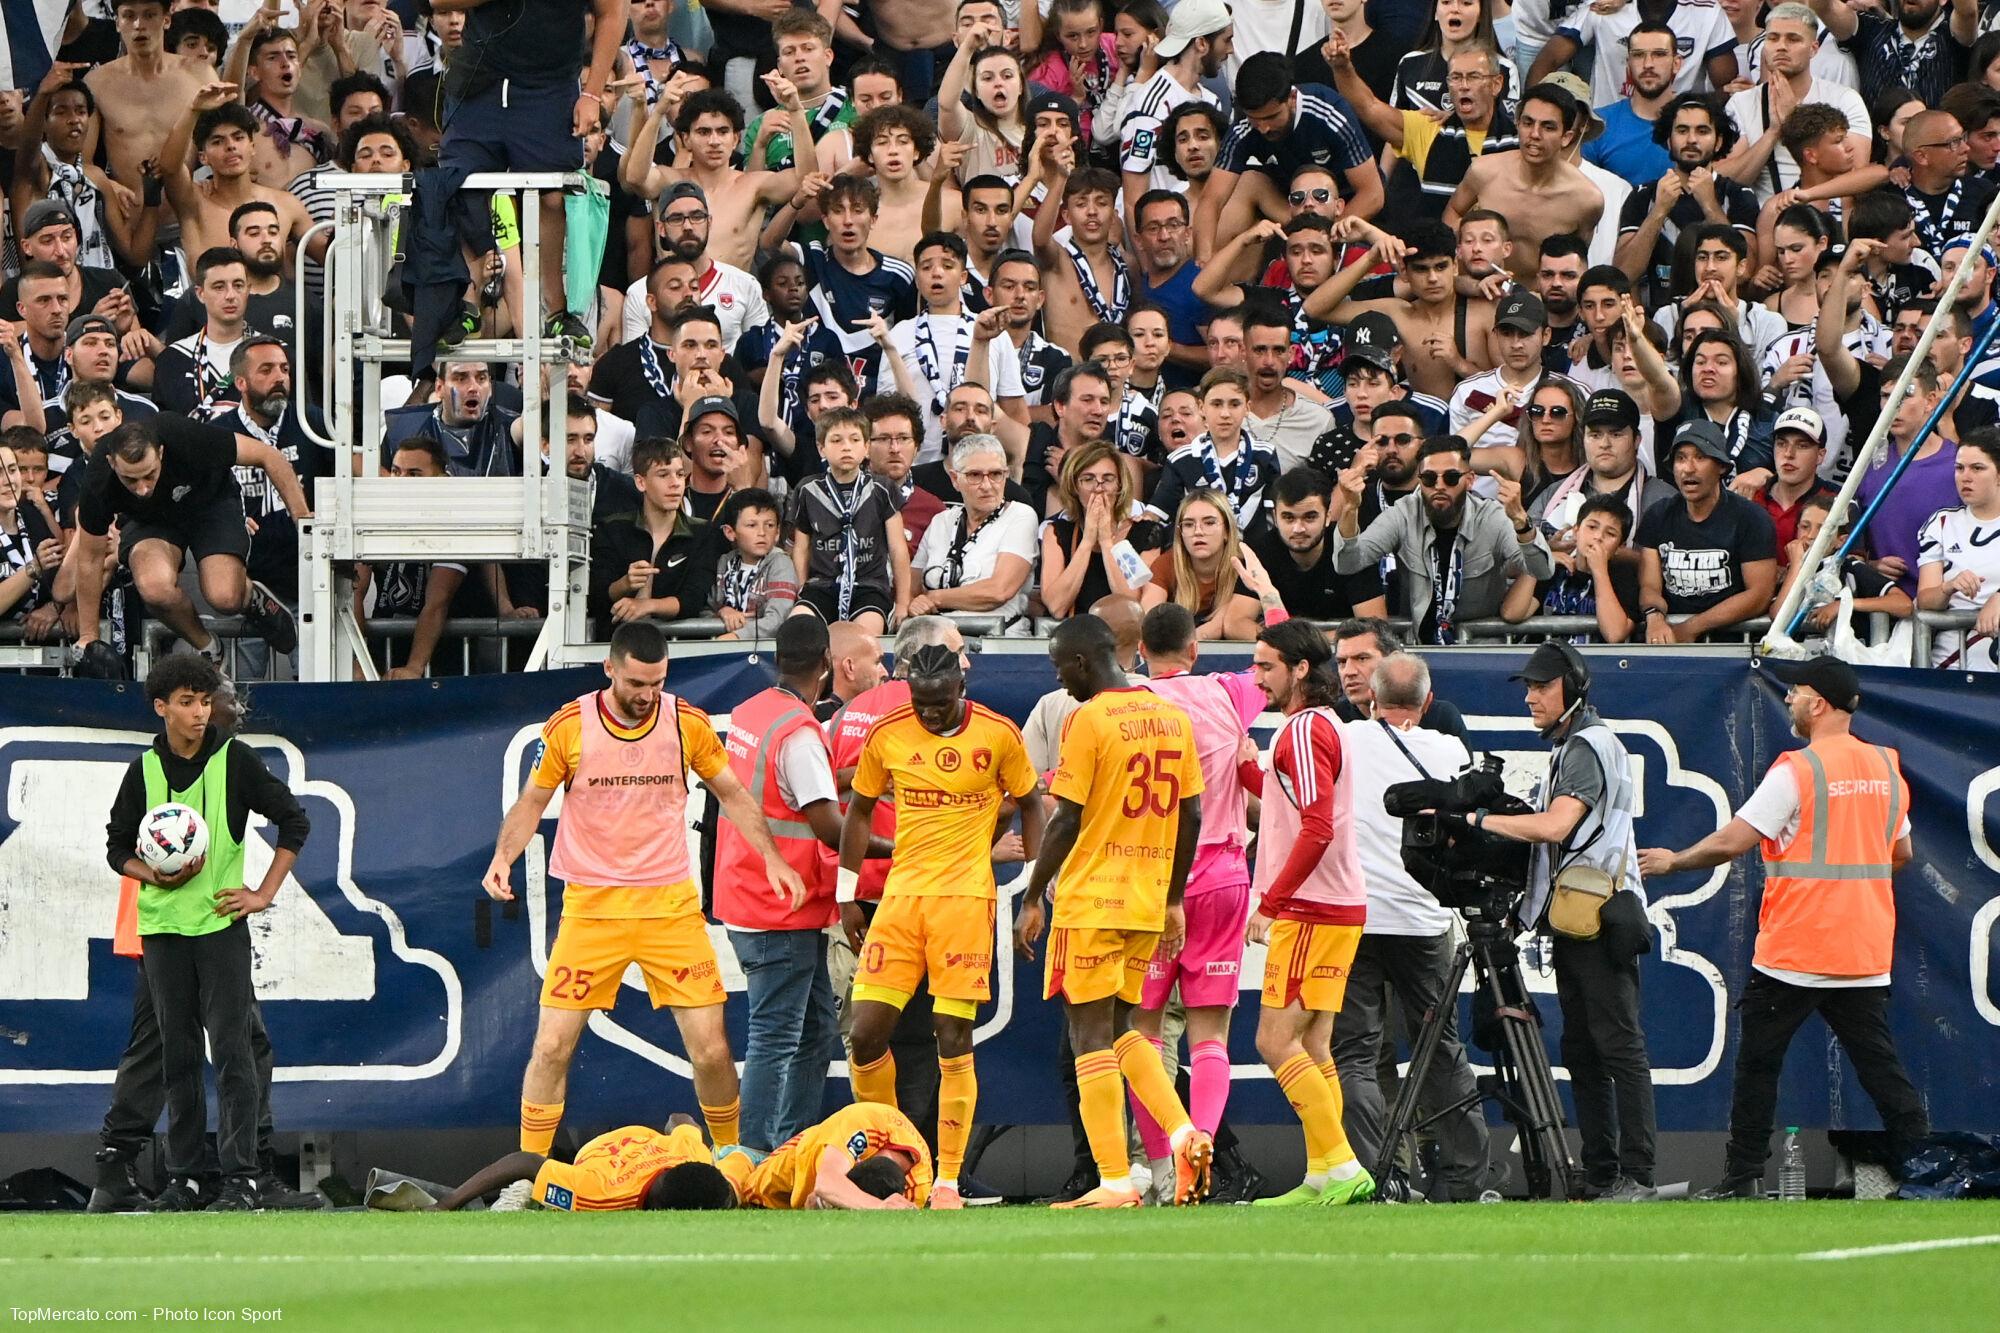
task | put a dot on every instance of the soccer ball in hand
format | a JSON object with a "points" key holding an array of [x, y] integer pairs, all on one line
{"points": [[171, 837]]}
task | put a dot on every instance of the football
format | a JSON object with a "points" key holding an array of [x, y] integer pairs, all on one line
{"points": [[171, 836]]}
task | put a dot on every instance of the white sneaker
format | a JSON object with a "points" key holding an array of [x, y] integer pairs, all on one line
{"points": [[514, 1199]]}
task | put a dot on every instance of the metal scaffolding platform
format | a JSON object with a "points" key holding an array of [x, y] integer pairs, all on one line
{"points": [[361, 516]]}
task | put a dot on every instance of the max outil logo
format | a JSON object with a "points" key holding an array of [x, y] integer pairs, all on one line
{"points": [[328, 959]]}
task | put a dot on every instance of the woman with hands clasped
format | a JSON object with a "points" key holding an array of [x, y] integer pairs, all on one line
{"points": [[1081, 557]]}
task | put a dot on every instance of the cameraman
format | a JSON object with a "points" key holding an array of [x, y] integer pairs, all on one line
{"points": [[1406, 945], [1588, 801]]}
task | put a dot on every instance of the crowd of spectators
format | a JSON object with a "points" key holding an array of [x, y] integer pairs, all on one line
{"points": [[1440, 313]]}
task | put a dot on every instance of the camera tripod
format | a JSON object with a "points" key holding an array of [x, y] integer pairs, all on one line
{"points": [[1522, 1082]]}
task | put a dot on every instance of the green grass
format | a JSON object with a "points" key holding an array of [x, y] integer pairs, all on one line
{"points": [[1215, 1270]]}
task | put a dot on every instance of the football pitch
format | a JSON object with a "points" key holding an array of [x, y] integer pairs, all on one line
{"points": [[1512, 1266]]}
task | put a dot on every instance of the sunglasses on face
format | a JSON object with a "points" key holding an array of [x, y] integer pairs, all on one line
{"points": [[1556, 413], [1298, 198], [1449, 477], [1398, 440]]}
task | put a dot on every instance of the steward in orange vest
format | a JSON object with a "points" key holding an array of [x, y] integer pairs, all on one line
{"points": [[1832, 821]]}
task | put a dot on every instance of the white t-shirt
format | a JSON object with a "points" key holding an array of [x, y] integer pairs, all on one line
{"points": [[1012, 531], [1397, 904], [1140, 147], [1956, 540], [1615, 189], [1263, 25], [1747, 110], [1774, 810], [614, 441], [1700, 27], [738, 301], [930, 346]]}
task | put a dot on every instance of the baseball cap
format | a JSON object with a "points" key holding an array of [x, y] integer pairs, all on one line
{"points": [[1551, 661], [1707, 437], [1372, 340], [1192, 19], [1573, 84], [46, 213], [1803, 420], [683, 190], [1041, 102], [1521, 311], [713, 403], [1827, 676], [1611, 407], [83, 324]]}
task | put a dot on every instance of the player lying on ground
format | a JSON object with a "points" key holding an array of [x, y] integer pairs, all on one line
{"points": [[862, 1156], [633, 1167]]}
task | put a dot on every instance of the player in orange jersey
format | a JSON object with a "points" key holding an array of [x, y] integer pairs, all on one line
{"points": [[633, 1167], [629, 896], [863, 1156], [1128, 811], [952, 764]]}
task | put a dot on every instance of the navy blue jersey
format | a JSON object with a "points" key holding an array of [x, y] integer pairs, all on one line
{"points": [[843, 301], [1325, 132]]}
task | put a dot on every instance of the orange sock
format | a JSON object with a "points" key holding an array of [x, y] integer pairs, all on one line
{"points": [[874, 1081], [725, 1123], [1318, 1109], [538, 1125], [958, 1093], [1139, 1061], [1100, 1096]]}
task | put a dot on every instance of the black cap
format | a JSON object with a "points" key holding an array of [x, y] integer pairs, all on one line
{"points": [[1828, 677], [89, 323], [47, 213], [713, 403], [1521, 311], [1611, 407], [1707, 437], [1372, 340], [1041, 102], [1553, 660], [680, 190]]}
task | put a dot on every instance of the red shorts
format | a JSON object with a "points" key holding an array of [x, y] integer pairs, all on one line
{"points": [[1209, 966]]}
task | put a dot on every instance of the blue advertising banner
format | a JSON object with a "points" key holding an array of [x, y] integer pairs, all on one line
{"points": [[398, 996]]}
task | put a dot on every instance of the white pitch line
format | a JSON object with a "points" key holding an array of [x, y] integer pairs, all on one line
{"points": [[1902, 1247], [842, 1257]]}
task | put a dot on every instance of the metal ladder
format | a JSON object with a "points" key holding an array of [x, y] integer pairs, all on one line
{"points": [[361, 516]]}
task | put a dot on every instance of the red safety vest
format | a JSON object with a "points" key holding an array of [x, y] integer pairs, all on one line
{"points": [[758, 729], [1829, 907]]}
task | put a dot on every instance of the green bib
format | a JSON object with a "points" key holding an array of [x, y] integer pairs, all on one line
{"points": [[190, 909]]}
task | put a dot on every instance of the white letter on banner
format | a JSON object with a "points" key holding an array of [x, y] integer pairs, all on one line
{"points": [[1988, 916]]}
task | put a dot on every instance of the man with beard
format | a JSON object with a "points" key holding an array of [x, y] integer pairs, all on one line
{"points": [[1299, 559], [986, 221], [1556, 281], [1628, 147], [1168, 272], [271, 303], [1278, 415], [1309, 264], [261, 370], [1699, 28], [1534, 187], [1922, 46], [1436, 154], [1016, 288], [1696, 134], [684, 227], [1761, 160], [91, 352], [1200, 37], [49, 232], [191, 375], [1707, 553], [1456, 553]]}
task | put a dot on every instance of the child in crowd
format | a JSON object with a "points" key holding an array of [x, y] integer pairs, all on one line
{"points": [[848, 546], [756, 586], [1873, 590]]}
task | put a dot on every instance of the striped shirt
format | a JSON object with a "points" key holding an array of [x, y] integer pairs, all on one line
{"points": [[1927, 66], [1325, 133]]}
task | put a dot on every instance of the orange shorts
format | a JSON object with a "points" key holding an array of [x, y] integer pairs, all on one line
{"points": [[914, 937], [1308, 962], [1089, 963], [590, 956]]}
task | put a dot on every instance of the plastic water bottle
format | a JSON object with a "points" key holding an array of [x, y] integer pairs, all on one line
{"points": [[1792, 1168]]}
